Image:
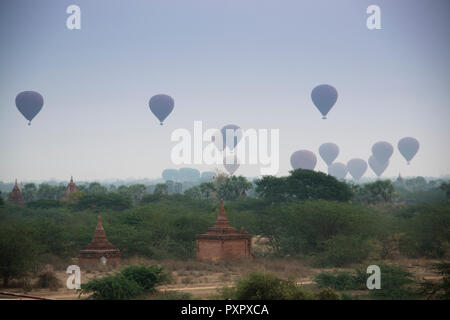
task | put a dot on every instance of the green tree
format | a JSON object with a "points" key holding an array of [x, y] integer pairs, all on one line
{"points": [[18, 253], [96, 188], [161, 189], [232, 188], [303, 185], [193, 193], [375, 192], [207, 189], [29, 192], [445, 186]]}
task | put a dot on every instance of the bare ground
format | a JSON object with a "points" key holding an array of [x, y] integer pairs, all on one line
{"points": [[202, 279]]}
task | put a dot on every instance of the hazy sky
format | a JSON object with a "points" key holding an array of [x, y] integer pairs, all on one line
{"points": [[252, 63]]}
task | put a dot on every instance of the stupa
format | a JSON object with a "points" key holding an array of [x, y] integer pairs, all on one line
{"points": [[71, 187], [99, 250], [222, 241], [15, 196]]}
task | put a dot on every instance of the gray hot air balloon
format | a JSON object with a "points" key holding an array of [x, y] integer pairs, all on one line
{"points": [[324, 97], [161, 105], [377, 166], [188, 175], [382, 151], [170, 174], [329, 152], [408, 147], [231, 135], [357, 167], [29, 104], [338, 170], [231, 164], [303, 159]]}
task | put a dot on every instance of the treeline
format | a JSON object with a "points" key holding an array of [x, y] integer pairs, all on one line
{"points": [[319, 219]]}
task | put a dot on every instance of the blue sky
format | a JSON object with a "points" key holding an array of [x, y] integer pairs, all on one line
{"points": [[251, 63]]}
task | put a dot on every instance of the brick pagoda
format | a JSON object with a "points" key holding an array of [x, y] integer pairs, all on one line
{"points": [[15, 196], [222, 241], [71, 188], [99, 250]]}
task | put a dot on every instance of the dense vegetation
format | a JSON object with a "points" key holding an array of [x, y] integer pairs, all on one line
{"points": [[320, 219], [131, 282]]}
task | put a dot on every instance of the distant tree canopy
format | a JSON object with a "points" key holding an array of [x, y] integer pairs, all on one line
{"points": [[303, 185], [223, 187], [114, 201], [375, 192]]}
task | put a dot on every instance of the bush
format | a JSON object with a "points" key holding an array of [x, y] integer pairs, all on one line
{"points": [[48, 280], [427, 231], [265, 286], [147, 277], [396, 283], [437, 290], [337, 233], [130, 283], [341, 281], [328, 294], [343, 250], [113, 287]]}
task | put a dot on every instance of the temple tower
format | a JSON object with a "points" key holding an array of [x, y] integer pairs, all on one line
{"points": [[15, 196], [71, 187], [222, 241], [99, 250]]}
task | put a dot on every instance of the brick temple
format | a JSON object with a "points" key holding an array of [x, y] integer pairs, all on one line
{"points": [[15, 197], [222, 241], [71, 188], [99, 250]]}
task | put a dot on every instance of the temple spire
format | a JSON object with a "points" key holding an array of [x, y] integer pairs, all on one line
{"points": [[222, 215], [15, 196], [71, 187]]}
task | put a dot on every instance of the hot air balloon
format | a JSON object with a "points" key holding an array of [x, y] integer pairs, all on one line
{"points": [[357, 167], [408, 147], [376, 166], [329, 152], [231, 135], [161, 105], [324, 97], [216, 139], [231, 164], [188, 175], [170, 174], [29, 104], [338, 170], [382, 151], [303, 159]]}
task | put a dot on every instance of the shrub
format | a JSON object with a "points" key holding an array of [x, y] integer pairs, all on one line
{"points": [[328, 294], [112, 287], [343, 250], [48, 280], [130, 283], [396, 283], [341, 281], [437, 290], [265, 286], [147, 277]]}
